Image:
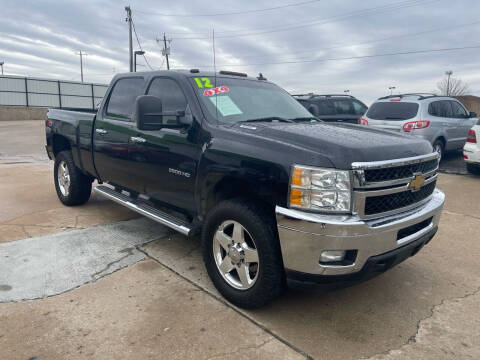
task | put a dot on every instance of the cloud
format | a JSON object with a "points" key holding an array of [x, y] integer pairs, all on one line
{"points": [[41, 38]]}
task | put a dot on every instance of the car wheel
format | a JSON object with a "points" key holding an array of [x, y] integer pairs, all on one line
{"points": [[73, 187], [439, 148], [473, 169], [242, 253]]}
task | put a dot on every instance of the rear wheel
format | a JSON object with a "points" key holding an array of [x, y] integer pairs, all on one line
{"points": [[73, 187], [242, 253], [439, 148], [473, 169]]}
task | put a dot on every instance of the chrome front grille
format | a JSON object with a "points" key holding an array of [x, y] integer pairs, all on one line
{"points": [[400, 172], [383, 187], [383, 203]]}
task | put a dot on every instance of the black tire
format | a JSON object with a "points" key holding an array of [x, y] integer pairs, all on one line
{"points": [[473, 169], [260, 224], [80, 185], [439, 147]]}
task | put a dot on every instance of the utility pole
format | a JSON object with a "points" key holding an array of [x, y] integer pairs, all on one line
{"points": [[166, 51], [1, 65], [448, 73], [81, 63], [129, 20]]}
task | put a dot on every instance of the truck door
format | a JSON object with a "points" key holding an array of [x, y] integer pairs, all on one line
{"points": [[166, 159], [113, 129]]}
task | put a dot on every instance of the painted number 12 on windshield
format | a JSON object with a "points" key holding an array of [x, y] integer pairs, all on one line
{"points": [[203, 82]]}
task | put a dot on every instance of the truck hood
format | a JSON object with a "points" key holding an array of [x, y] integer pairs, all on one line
{"points": [[342, 144]]}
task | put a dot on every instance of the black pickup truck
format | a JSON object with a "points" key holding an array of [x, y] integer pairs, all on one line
{"points": [[275, 193]]}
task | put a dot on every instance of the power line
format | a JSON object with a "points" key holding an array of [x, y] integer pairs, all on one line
{"points": [[139, 45], [357, 13], [351, 57], [401, 4], [378, 40], [231, 13]]}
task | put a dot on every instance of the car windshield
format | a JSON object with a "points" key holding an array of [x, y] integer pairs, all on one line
{"points": [[392, 111], [233, 100]]}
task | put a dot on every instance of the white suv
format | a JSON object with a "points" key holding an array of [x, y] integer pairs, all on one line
{"points": [[441, 120]]}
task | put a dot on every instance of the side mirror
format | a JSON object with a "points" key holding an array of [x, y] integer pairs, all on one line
{"points": [[472, 114], [149, 115], [148, 112]]}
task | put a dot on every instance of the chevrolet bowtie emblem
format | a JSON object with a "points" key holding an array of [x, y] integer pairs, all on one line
{"points": [[417, 183]]}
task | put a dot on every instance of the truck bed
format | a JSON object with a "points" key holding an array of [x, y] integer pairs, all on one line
{"points": [[76, 127]]}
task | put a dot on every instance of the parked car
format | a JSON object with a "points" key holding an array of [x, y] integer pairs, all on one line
{"points": [[471, 150], [275, 194], [333, 108], [441, 120]]}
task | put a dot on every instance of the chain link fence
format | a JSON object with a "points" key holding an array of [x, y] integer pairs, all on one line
{"points": [[26, 91]]}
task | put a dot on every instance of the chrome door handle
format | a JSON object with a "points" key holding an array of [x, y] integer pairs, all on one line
{"points": [[101, 131], [136, 139]]}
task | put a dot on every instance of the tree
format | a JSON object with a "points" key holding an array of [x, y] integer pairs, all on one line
{"points": [[452, 87]]}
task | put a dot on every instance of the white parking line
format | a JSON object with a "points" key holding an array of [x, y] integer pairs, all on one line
{"points": [[49, 265]]}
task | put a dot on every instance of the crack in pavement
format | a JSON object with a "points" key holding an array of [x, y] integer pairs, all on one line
{"points": [[460, 214], [413, 339], [222, 355], [227, 304], [129, 252]]}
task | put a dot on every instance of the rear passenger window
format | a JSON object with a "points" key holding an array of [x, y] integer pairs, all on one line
{"points": [[325, 107], [440, 108], [171, 95], [458, 110], [343, 107], [122, 98]]}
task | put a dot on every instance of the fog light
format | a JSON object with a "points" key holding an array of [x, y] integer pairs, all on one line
{"points": [[332, 256]]}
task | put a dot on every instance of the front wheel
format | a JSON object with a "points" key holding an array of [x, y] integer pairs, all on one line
{"points": [[242, 253]]}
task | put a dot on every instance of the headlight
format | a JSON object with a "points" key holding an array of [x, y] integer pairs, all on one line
{"points": [[320, 189]]}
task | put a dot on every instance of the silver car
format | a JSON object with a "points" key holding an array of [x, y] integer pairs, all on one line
{"points": [[441, 120]]}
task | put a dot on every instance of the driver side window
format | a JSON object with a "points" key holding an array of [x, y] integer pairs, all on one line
{"points": [[171, 95]]}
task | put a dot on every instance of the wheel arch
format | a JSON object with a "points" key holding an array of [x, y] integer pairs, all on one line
{"points": [[442, 139], [233, 187], [60, 143]]}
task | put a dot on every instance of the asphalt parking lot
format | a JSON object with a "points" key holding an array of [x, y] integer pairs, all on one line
{"points": [[99, 281]]}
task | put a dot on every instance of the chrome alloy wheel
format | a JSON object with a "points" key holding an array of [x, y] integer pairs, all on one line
{"points": [[63, 177], [236, 255]]}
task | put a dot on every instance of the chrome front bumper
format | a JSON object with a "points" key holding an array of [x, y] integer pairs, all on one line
{"points": [[303, 236]]}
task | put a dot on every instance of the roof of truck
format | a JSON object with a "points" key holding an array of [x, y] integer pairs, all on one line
{"points": [[193, 73]]}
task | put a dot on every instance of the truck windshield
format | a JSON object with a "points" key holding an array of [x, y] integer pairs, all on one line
{"points": [[237, 100], [392, 111]]}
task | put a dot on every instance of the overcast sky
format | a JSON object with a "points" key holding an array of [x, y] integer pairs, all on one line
{"points": [[41, 38]]}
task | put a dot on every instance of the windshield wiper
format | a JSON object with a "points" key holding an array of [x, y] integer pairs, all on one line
{"points": [[268, 118], [307, 118], [393, 118]]}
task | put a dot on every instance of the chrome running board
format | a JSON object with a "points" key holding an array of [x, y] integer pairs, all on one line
{"points": [[144, 209]]}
